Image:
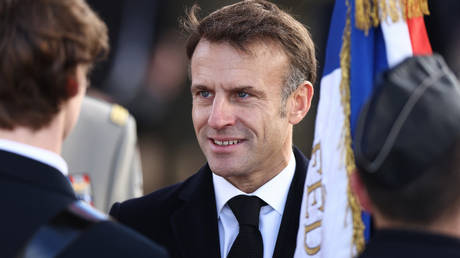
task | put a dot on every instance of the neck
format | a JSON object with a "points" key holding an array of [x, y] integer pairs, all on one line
{"points": [[444, 225], [49, 138], [263, 174]]}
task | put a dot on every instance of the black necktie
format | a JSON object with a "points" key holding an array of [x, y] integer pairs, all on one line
{"points": [[248, 243]]}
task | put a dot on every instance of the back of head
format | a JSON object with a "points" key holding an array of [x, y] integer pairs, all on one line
{"points": [[257, 21], [407, 142], [41, 44]]}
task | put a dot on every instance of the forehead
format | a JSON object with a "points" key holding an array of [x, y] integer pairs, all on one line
{"points": [[221, 62]]}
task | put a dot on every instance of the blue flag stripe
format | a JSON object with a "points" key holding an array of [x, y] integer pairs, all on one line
{"points": [[334, 40]]}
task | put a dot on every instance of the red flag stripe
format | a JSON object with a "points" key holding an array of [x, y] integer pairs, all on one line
{"points": [[418, 36]]}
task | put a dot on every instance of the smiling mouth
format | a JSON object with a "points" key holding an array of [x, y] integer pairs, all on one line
{"points": [[226, 142]]}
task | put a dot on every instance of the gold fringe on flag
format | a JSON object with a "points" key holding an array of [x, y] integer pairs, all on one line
{"points": [[345, 58], [370, 13]]}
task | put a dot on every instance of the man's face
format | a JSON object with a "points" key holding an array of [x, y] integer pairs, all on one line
{"points": [[236, 111]]}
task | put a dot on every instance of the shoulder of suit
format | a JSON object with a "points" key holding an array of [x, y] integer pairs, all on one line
{"points": [[117, 114], [118, 241], [200, 180], [84, 211], [169, 196], [159, 198], [114, 234]]}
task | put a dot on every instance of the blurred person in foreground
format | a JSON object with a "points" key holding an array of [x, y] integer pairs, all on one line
{"points": [[47, 48], [252, 68], [407, 149]]}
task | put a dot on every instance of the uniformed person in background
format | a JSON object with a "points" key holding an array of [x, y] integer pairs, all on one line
{"points": [[102, 154], [47, 48], [407, 148]]}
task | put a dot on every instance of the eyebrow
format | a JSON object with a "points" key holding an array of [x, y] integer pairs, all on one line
{"points": [[250, 89], [196, 87]]}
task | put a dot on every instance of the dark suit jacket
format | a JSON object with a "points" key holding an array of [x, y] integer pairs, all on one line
{"points": [[32, 193], [183, 217], [404, 243]]}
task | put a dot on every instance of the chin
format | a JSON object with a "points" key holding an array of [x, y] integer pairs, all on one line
{"points": [[225, 171]]}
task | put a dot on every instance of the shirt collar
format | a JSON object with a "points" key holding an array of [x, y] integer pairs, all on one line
{"points": [[38, 154], [274, 192]]}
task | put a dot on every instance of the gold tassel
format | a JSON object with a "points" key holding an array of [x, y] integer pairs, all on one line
{"points": [[345, 58], [383, 7], [370, 13], [375, 13], [394, 10], [362, 10], [416, 8]]}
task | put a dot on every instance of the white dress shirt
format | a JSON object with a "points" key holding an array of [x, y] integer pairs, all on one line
{"points": [[274, 193], [38, 154]]}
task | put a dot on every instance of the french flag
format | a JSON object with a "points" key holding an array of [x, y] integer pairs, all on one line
{"points": [[331, 223]]}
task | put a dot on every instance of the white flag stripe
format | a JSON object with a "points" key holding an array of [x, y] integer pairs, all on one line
{"points": [[397, 41], [326, 182], [337, 221]]}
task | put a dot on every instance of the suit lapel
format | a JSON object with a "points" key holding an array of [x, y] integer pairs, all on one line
{"points": [[195, 222], [287, 235]]}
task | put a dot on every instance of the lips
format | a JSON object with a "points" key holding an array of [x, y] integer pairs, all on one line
{"points": [[226, 142]]}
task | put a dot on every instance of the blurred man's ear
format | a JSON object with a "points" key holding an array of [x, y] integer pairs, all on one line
{"points": [[301, 102], [72, 86], [360, 191]]}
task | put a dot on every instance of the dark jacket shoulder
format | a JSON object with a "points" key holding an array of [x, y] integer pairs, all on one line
{"points": [[109, 239], [401, 243], [150, 214]]}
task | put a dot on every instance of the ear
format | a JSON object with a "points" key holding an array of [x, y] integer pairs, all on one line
{"points": [[300, 102], [360, 191], [71, 86]]}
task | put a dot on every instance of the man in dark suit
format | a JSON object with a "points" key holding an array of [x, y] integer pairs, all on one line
{"points": [[251, 71], [47, 48], [407, 149]]}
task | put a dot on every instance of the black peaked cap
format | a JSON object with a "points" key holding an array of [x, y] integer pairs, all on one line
{"points": [[410, 121]]}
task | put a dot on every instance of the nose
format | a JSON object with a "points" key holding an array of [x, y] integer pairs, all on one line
{"points": [[221, 114]]}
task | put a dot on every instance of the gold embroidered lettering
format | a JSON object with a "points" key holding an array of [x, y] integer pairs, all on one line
{"points": [[311, 250]]}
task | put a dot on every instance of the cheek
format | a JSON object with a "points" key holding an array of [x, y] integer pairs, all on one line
{"points": [[253, 122], [276, 127], [199, 117]]}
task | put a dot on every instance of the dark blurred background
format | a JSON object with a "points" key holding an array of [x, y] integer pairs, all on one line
{"points": [[146, 72]]}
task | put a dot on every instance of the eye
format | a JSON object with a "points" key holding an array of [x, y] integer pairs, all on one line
{"points": [[204, 93], [242, 94]]}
